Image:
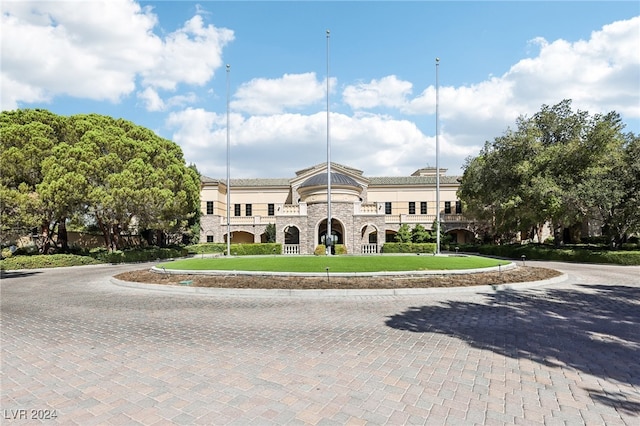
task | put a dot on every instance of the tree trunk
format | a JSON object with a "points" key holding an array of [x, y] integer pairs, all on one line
{"points": [[63, 237], [105, 233]]}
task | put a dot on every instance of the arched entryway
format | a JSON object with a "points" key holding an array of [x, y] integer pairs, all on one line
{"points": [[291, 240], [240, 237], [369, 239], [337, 232], [461, 236]]}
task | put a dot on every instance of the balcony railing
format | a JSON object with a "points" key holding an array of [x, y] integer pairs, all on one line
{"points": [[424, 218], [290, 210], [364, 209], [291, 249], [369, 248], [242, 220]]}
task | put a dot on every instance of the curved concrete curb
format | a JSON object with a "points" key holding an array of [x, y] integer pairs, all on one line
{"points": [[242, 292]]}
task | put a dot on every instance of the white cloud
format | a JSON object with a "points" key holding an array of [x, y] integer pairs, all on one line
{"points": [[274, 143], [189, 55], [153, 102], [386, 92], [77, 49], [600, 74], [274, 96], [97, 49], [278, 145], [151, 99]]}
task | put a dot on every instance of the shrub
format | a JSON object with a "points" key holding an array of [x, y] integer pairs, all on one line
{"points": [[542, 252], [340, 249], [207, 248], [255, 249], [145, 254], [236, 249], [409, 248], [6, 253], [320, 250], [46, 261]]}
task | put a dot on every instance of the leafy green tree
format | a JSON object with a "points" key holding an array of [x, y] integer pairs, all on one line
{"points": [[620, 201], [270, 231], [404, 234], [559, 167], [419, 234], [123, 176], [27, 139]]}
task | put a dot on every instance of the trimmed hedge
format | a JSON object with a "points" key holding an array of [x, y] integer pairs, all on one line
{"points": [[409, 248], [236, 249], [207, 248], [541, 252], [146, 254], [255, 249], [40, 261]]}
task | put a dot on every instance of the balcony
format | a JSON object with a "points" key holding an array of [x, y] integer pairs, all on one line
{"points": [[424, 218], [243, 220]]}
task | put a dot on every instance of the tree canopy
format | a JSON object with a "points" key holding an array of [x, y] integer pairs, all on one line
{"points": [[560, 167], [121, 177]]}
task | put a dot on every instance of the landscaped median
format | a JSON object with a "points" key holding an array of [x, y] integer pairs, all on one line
{"points": [[339, 272], [334, 264]]}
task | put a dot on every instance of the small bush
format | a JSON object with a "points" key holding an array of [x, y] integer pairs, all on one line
{"points": [[338, 249]]}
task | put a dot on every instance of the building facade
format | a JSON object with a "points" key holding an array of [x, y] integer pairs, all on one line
{"points": [[366, 211]]}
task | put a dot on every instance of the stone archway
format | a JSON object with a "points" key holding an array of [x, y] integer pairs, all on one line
{"points": [[369, 239], [461, 236], [337, 231], [291, 235]]}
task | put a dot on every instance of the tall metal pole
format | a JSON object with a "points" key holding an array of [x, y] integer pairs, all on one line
{"points": [[437, 158], [228, 171], [328, 237]]}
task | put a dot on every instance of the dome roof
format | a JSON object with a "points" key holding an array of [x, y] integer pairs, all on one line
{"points": [[336, 179]]}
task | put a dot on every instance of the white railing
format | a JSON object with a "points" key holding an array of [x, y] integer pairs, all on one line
{"points": [[242, 220], [291, 249], [290, 210], [424, 218], [454, 218], [365, 209], [392, 218], [417, 218], [369, 248]]}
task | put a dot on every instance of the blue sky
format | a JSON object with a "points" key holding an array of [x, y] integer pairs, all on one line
{"points": [[161, 64]]}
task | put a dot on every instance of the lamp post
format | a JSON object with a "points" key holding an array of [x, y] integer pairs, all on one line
{"points": [[437, 160], [228, 171], [328, 240]]}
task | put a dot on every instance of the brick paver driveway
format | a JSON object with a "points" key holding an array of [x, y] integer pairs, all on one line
{"points": [[78, 347]]}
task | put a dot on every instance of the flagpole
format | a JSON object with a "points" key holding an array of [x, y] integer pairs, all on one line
{"points": [[228, 171], [328, 240], [437, 158]]}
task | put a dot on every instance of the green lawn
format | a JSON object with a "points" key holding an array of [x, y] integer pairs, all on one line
{"points": [[376, 263]]}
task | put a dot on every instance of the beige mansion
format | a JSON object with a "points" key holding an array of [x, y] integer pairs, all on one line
{"points": [[366, 211]]}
